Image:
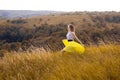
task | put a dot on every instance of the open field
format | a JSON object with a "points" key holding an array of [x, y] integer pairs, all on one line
{"points": [[97, 63], [30, 47]]}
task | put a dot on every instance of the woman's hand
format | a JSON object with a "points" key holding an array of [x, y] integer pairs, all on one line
{"points": [[82, 44]]}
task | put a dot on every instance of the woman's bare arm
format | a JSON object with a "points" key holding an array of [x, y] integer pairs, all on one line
{"points": [[75, 37]]}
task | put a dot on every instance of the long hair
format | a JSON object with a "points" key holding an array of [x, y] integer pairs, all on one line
{"points": [[72, 28]]}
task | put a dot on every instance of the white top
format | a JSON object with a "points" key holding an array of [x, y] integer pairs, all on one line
{"points": [[70, 35]]}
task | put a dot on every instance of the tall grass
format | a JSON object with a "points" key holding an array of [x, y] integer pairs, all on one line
{"points": [[97, 63]]}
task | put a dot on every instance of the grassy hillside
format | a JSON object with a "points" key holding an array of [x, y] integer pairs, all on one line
{"points": [[80, 19], [97, 63], [92, 28], [30, 47]]}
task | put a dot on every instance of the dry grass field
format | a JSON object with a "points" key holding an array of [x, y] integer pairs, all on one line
{"points": [[97, 63], [30, 47]]}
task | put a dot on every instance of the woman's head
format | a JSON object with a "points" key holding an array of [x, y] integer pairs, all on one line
{"points": [[71, 27]]}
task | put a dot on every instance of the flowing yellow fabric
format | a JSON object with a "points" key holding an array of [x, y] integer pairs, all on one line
{"points": [[73, 46]]}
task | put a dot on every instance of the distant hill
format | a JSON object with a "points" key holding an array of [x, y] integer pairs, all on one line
{"points": [[92, 28], [23, 13]]}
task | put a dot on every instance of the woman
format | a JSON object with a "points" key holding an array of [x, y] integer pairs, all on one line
{"points": [[70, 45]]}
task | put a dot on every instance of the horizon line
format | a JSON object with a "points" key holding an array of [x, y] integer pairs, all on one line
{"points": [[61, 10]]}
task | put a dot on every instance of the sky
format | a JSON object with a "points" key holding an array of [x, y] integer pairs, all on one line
{"points": [[61, 5]]}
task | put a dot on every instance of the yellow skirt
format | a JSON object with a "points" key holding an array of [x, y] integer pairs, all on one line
{"points": [[73, 46]]}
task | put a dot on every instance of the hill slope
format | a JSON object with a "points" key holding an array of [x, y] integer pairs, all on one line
{"points": [[97, 28]]}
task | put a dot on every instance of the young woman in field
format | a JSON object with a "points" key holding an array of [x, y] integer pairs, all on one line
{"points": [[70, 44]]}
